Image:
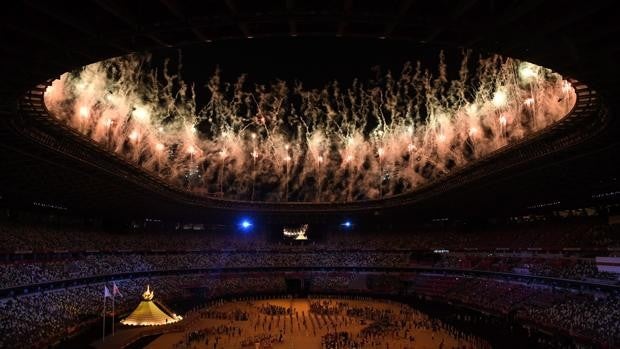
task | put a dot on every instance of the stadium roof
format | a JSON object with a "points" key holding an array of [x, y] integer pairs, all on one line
{"points": [[41, 41]]}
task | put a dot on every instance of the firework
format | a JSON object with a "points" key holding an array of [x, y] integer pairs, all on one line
{"points": [[331, 145]]}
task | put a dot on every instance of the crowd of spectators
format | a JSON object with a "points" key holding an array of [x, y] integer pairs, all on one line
{"points": [[583, 316], [588, 315], [15, 237], [19, 273], [556, 266], [40, 318], [67, 254], [335, 282], [36, 318], [29, 272], [581, 269]]}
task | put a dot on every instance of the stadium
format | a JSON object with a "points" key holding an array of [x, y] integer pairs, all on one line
{"points": [[310, 174]]}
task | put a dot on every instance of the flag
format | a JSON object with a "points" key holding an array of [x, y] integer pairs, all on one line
{"points": [[115, 290], [106, 292]]}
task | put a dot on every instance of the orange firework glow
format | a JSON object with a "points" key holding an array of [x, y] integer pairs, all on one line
{"points": [[308, 143]]}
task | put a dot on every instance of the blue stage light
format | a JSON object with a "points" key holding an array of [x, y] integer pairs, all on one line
{"points": [[347, 224], [246, 224]]}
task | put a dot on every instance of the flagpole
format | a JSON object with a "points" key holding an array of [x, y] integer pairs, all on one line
{"points": [[103, 336], [113, 310]]}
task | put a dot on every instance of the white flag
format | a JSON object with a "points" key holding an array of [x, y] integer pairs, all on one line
{"points": [[115, 290], [106, 292]]}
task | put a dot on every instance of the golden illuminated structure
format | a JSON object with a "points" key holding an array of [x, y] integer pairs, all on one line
{"points": [[149, 313]]}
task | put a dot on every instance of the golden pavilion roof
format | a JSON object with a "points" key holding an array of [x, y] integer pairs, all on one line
{"points": [[148, 313]]}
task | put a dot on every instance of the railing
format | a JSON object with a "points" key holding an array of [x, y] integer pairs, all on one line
{"points": [[281, 271], [51, 255]]}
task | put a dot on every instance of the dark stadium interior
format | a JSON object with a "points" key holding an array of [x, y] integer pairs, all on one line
{"points": [[519, 247]]}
